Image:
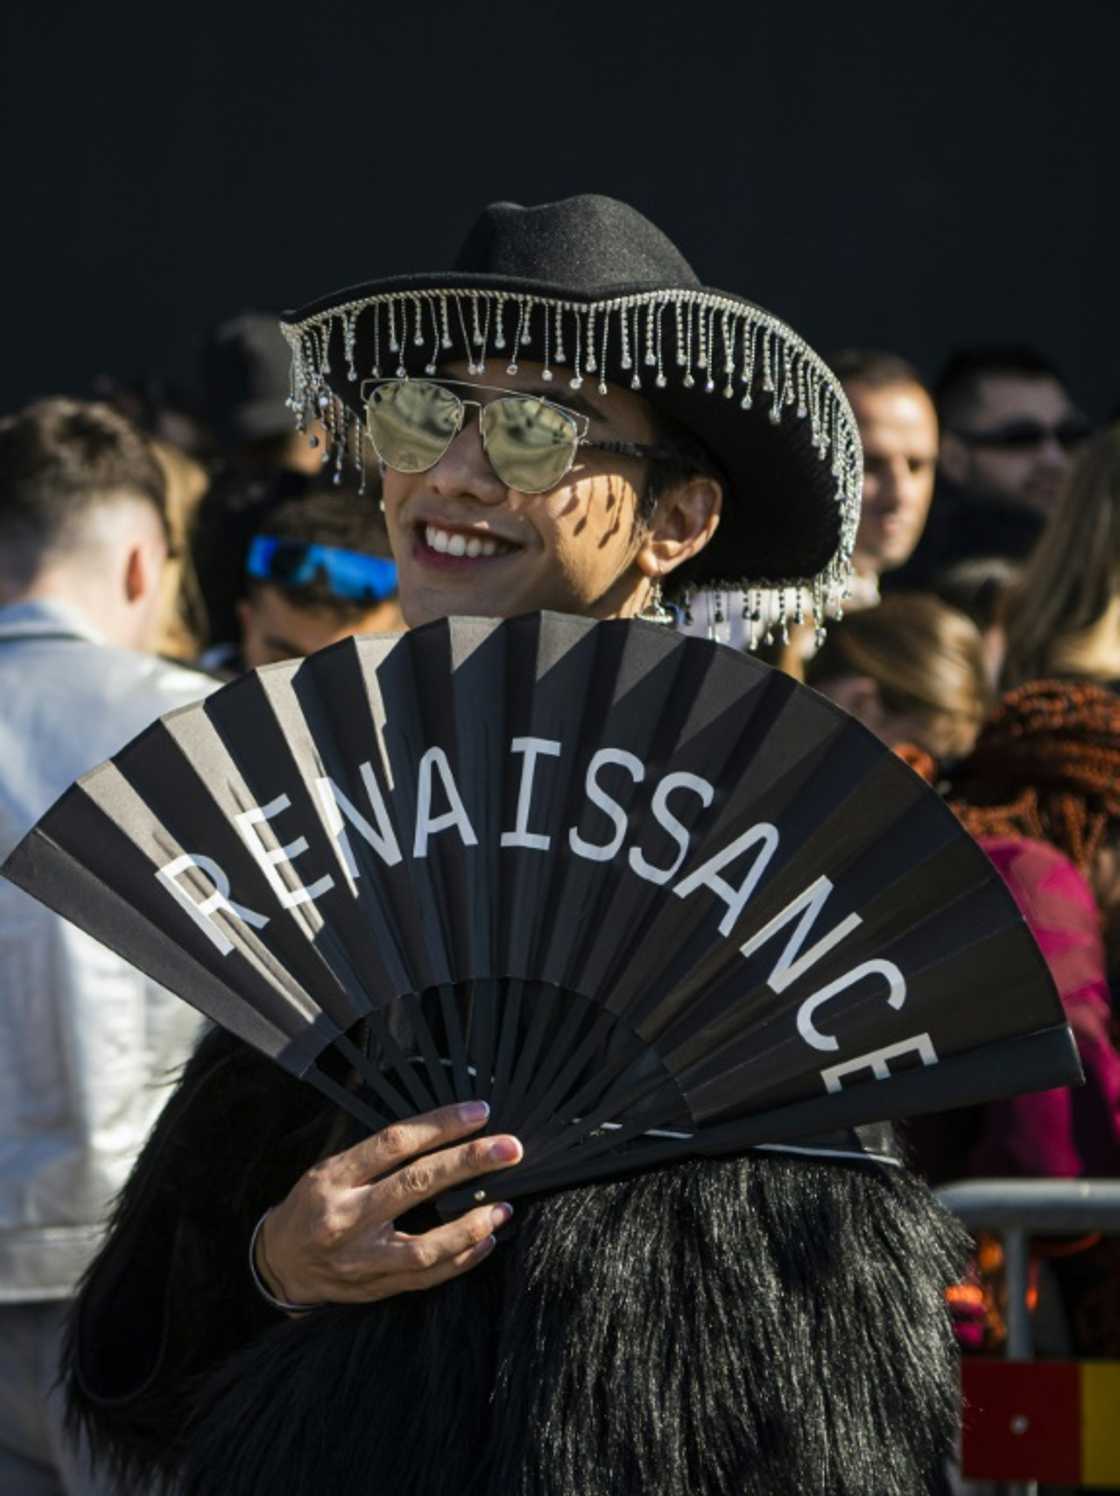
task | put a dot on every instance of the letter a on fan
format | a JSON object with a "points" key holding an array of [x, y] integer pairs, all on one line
{"points": [[645, 895]]}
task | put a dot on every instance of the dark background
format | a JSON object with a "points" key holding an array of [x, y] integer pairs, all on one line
{"points": [[899, 174]]}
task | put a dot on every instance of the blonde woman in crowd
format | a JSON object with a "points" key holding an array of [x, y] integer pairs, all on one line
{"points": [[1063, 618], [181, 630], [912, 670]]}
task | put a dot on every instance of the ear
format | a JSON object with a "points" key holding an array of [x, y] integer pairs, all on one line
{"points": [[954, 458], [138, 574], [685, 520]]}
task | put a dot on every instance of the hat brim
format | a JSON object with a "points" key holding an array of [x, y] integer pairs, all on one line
{"points": [[765, 406]]}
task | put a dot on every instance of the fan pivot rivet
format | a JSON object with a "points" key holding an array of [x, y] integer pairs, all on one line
{"points": [[480, 1195]]}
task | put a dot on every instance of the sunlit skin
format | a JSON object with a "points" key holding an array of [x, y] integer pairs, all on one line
{"points": [[300, 456], [1031, 476], [898, 430], [579, 548], [274, 628]]}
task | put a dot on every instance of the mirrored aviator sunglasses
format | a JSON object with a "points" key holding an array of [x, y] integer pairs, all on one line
{"points": [[530, 442]]}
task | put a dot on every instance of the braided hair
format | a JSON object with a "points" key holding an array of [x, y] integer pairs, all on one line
{"points": [[1047, 765]]}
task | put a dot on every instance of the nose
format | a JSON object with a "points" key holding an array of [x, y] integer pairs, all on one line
{"points": [[890, 485], [464, 471], [1052, 454]]}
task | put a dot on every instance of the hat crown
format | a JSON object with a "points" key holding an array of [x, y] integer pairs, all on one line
{"points": [[589, 241]]}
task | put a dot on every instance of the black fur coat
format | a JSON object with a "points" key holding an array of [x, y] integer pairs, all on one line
{"points": [[760, 1325]]}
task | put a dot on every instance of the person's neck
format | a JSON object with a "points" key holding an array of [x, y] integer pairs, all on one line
{"points": [[865, 586], [74, 593], [1093, 651]]}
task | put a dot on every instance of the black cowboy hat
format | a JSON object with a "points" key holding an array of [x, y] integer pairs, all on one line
{"points": [[594, 291]]}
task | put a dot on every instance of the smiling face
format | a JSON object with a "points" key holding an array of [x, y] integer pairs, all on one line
{"points": [[465, 543]]}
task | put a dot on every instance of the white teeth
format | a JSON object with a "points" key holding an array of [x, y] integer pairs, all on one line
{"points": [[452, 543]]}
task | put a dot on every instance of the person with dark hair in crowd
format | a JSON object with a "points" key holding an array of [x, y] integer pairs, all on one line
{"points": [[898, 431], [1063, 616], [85, 1040], [772, 1323], [978, 589], [244, 374], [317, 571], [1009, 429], [912, 670]]}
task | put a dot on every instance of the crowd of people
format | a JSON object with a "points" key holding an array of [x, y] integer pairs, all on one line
{"points": [[153, 548]]}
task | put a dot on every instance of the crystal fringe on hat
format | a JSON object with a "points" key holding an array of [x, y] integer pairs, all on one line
{"points": [[733, 350]]}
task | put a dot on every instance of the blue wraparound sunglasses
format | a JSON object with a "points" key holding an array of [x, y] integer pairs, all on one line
{"points": [[352, 575]]}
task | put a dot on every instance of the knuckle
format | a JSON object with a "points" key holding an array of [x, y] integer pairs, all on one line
{"points": [[416, 1179], [318, 1179], [393, 1139], [480, 1228], [329, 1225], [351, 1271], [420, 1256], [477, 1156]]}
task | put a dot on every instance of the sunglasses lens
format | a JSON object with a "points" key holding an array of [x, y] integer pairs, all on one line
{"points": [[1072, 433], [412, 423], [530, 445]]}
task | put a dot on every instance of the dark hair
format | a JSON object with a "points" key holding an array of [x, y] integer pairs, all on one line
{"points": [[873, 367], [691, 459], [59, 459], [957, 386], [758, 1324], [332, 517], [977, 587]]}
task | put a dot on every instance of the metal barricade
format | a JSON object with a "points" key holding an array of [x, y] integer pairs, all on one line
{"points": [[1016, 1210]]}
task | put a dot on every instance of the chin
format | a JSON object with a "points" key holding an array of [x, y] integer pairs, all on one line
{"points": [[427, 605]]}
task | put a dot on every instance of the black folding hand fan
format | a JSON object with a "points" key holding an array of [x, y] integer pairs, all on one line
{"points": [[645, 895]]}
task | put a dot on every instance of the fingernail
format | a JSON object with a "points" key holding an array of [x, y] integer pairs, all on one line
{"points": [[500, 1215], [474, 1111], [505, 1150]]}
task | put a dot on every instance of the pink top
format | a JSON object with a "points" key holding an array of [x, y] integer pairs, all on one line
{"points": [[1070, 1131]]}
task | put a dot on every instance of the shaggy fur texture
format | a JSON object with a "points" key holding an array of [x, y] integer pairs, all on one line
{"points": [[761, 1325], [758, 1326]]}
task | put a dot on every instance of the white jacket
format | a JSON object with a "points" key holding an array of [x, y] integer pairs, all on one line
{"points": [[87, 1044]]}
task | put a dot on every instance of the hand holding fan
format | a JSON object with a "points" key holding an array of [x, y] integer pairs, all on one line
{"points": [[643, 894]]}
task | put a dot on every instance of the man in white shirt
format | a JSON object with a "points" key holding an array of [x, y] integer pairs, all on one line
{"points": [[87, 1044]]}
